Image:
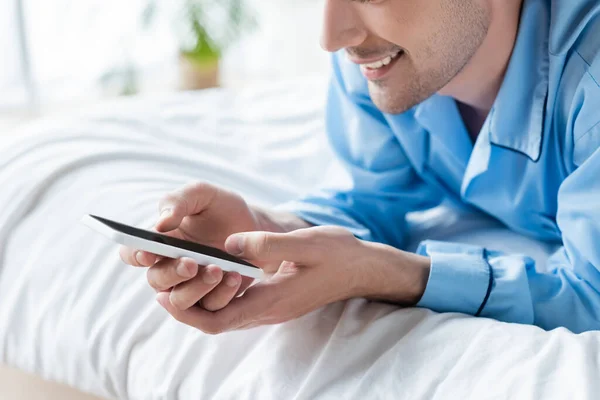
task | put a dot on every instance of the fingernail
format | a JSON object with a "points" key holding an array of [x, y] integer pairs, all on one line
{"points": [[235, 244], [138, 257], [186, 270], [162, 299], [165, 213], [231, 281], [209, 278]]}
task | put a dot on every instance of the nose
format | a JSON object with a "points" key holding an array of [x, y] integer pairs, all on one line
{"points": [[342, 26]]}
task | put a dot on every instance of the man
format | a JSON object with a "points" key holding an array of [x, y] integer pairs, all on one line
{"points": [[487, 104]]}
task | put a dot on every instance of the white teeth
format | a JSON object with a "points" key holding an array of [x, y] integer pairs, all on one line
{"points": [[382, 62], [375, 65]]}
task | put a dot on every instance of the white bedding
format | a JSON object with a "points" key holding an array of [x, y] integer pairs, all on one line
{"points": [[70, 311]]}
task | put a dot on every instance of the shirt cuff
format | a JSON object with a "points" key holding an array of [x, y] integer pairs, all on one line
{"points": [[460, 279]]}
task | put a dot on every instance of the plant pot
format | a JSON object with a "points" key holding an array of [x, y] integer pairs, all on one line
{"points": [[197, 74]]}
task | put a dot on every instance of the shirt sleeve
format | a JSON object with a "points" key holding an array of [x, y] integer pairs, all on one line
{"points": [[507, 287], [375, 184]]}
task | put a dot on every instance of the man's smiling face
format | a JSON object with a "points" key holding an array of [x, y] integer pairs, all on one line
{"points": [[408, 50]]}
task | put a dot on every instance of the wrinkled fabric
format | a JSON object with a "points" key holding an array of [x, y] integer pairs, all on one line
{"points": [[535, 166], [72, 312]]}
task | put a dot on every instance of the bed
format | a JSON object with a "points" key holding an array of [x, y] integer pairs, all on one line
{"points": [[72, 313]]}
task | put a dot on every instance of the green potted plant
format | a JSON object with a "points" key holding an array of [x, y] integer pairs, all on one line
{"points": [[205, 29]]}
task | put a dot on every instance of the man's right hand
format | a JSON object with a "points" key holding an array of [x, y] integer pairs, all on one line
{"points": [[205, 214]]}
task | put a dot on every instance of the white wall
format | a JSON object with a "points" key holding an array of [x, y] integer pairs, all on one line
{"points": [[74, 43], [12, 94], [285, 46]]}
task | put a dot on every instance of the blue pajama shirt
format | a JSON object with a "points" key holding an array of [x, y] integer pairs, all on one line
{"points": [[535, 166]]}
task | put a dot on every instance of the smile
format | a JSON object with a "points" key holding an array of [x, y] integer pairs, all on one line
{"points": [[378, 69], [382, 62]]}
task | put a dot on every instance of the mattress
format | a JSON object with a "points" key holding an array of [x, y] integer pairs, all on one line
{"points": [[73, 313]]}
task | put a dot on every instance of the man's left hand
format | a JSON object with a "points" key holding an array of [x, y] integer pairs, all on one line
{"points": [[322, 265]]}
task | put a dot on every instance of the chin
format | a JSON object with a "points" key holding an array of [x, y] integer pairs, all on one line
{"points": [[397, 100], [387, 102]]}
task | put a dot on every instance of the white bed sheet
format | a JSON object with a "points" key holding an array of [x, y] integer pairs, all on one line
{"points": [[70, 311]]}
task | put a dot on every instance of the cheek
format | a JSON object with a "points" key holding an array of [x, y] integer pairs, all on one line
{"points": [[409, 24]]}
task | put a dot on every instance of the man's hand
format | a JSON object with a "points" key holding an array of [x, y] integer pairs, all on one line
{"points": [[207, 214], [322, 265], [202, 213]]}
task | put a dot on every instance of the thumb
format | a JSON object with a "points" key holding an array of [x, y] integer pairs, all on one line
{"points": [[192, 199], [269, 246], [170, 219]]}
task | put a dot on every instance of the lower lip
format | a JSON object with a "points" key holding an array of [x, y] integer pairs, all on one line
{"points": [[379, 73]]}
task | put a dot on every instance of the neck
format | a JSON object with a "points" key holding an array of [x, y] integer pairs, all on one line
{"points": [[478, 84]]}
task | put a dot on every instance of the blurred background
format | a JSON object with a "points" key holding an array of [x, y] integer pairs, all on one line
{"points": [[58, 55]]}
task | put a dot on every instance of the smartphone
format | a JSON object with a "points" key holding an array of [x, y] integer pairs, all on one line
{"points": [[170, 247]]}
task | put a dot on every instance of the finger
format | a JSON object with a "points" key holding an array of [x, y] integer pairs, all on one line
{"points": [[248, 310], [146, 259], [127, 255], [212, 323], [169, 272], [208, 322], [269, 246], [192, 199], [258, 306], [246, 282], [223, 293], [137, 258], [187, 294]]}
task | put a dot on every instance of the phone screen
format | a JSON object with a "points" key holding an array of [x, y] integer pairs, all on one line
{"points": [[164, 239]]}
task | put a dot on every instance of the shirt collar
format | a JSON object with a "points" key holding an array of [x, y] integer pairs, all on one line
{"points": [[516, 120], [517, 117]]}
